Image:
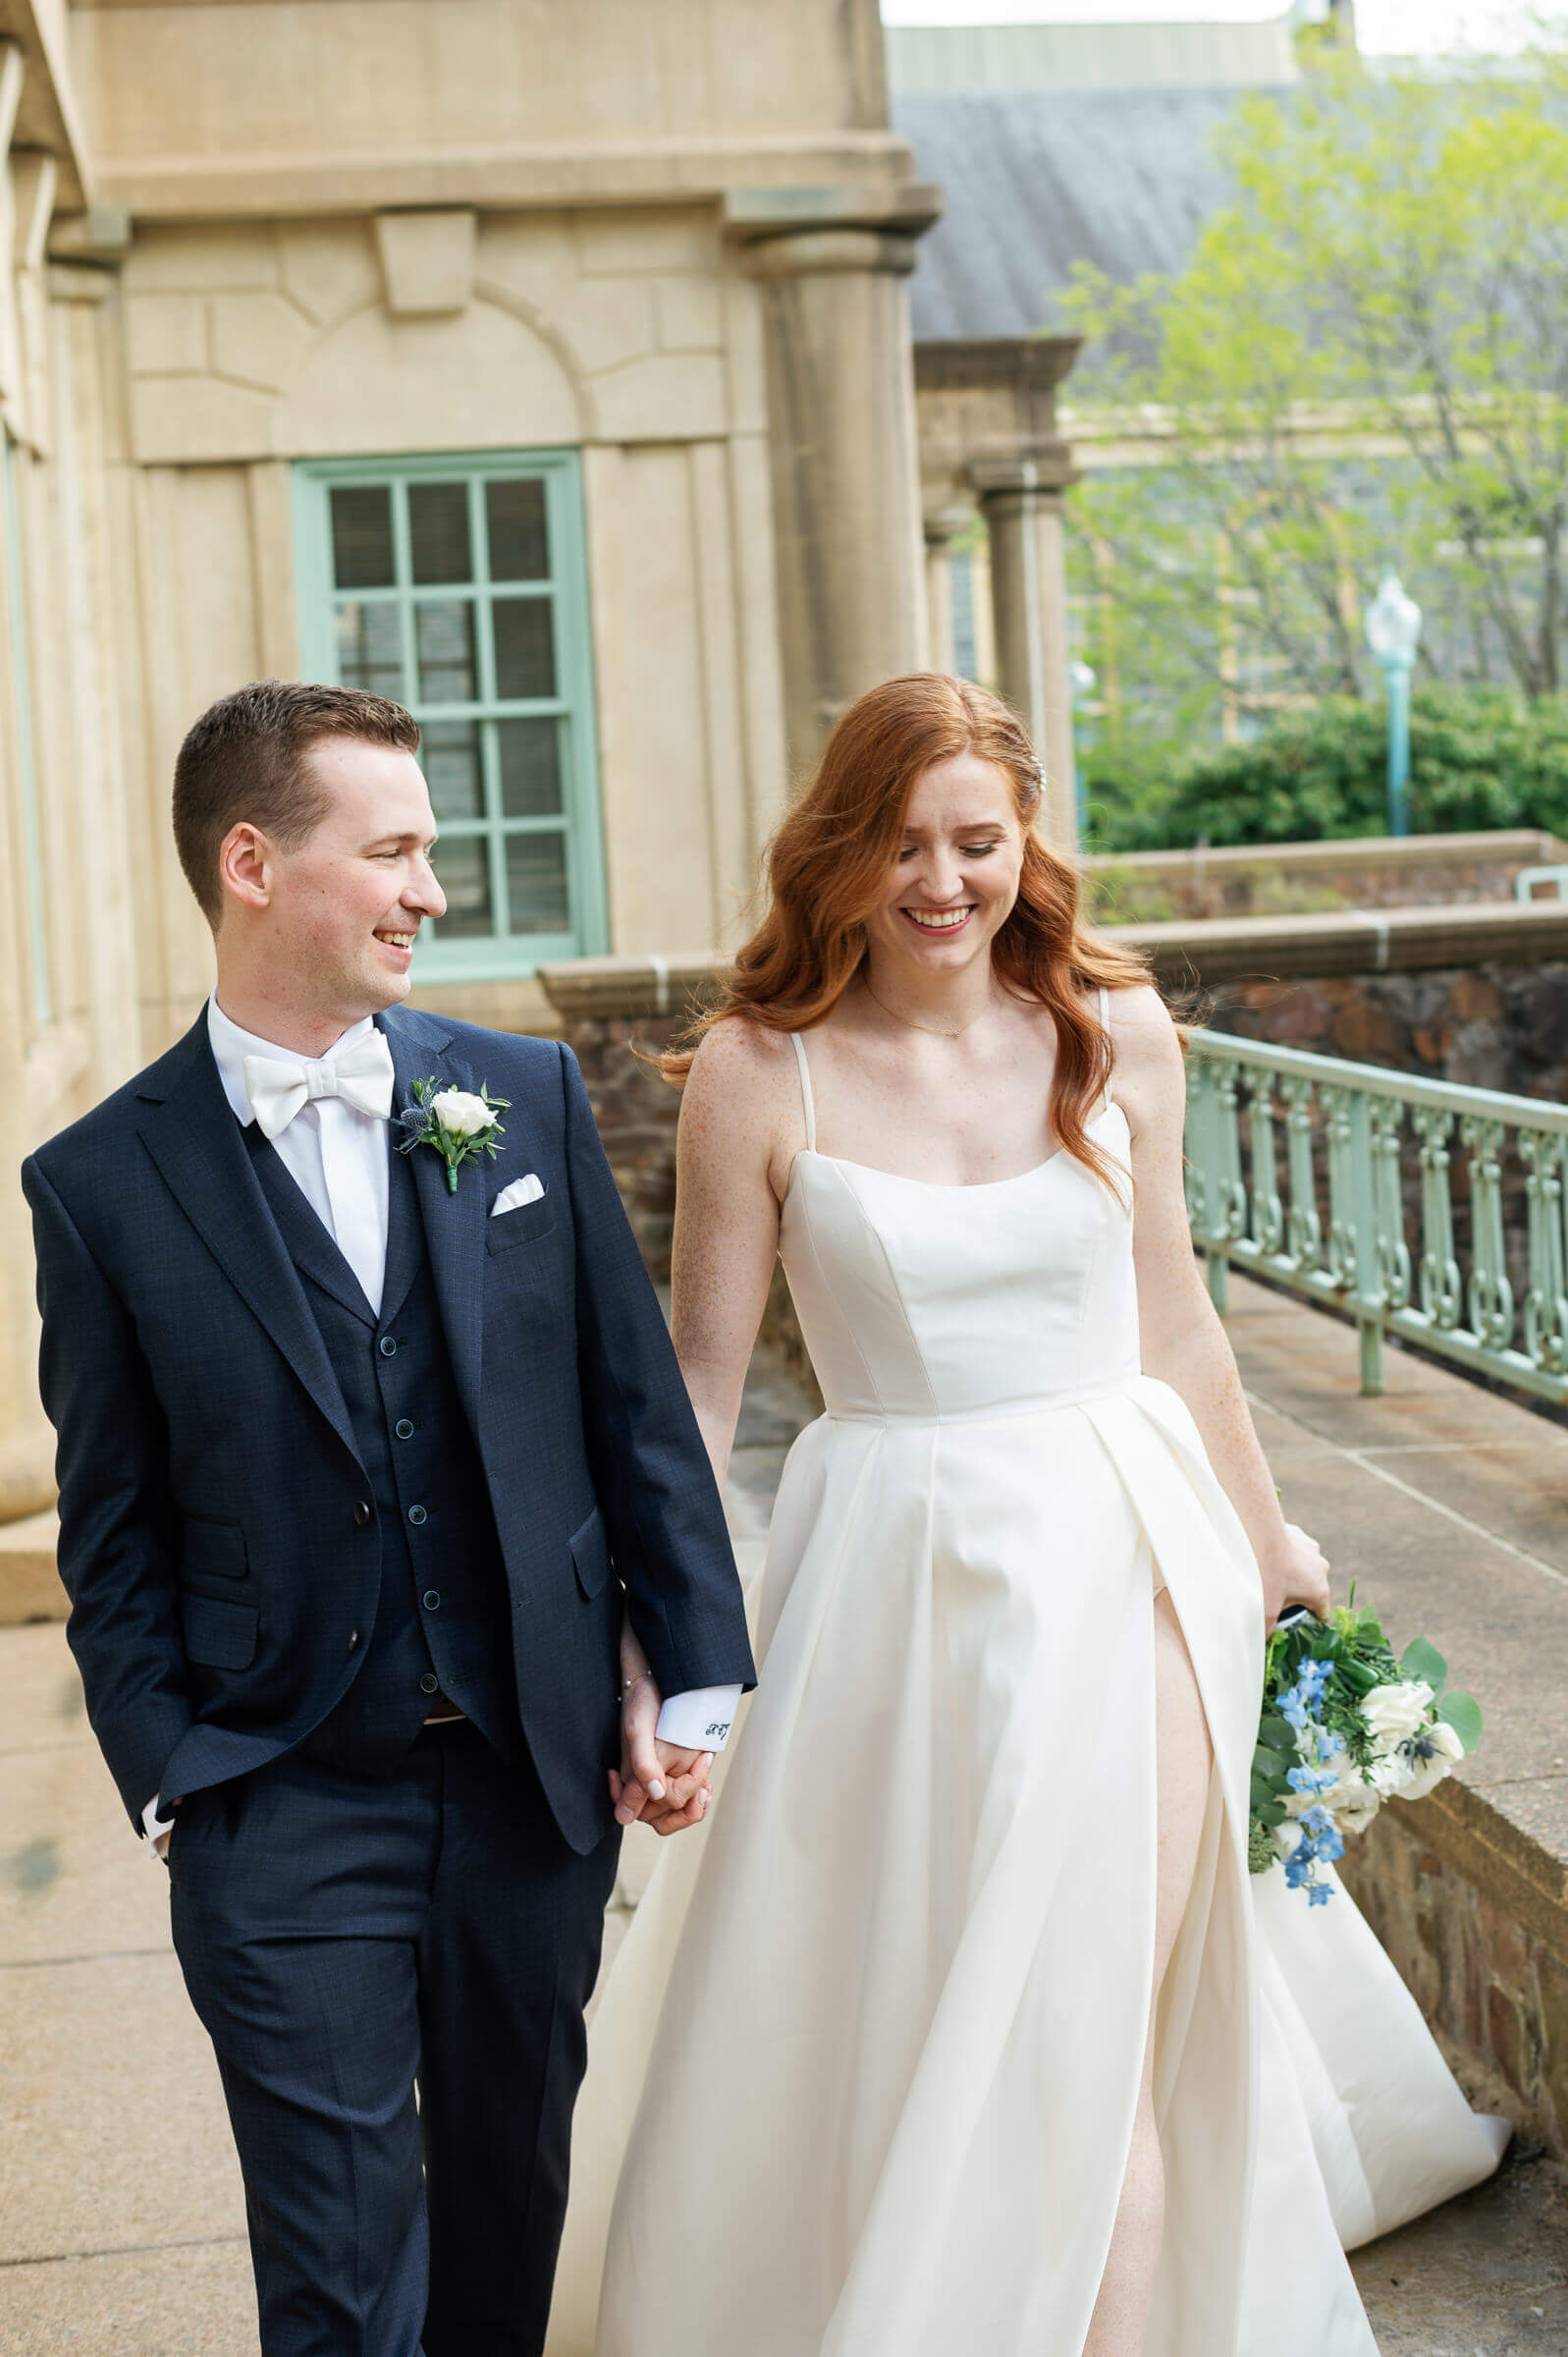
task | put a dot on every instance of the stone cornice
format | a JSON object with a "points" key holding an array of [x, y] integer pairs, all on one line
{"points": [[1182, 954], [47, 116], [863, 170]]}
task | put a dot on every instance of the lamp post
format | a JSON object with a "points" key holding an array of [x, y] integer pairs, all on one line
{"points": [[1393, 632]]}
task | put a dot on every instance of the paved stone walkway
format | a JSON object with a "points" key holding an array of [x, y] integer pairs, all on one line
{"points": [[121, 2220]]}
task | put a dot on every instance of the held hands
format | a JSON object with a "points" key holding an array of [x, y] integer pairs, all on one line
{"points": [[1296, 1572], [658, 1783]]}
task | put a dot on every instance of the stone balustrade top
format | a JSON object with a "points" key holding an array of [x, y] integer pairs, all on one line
{"points": [[1503, 846], [1182, 952]]}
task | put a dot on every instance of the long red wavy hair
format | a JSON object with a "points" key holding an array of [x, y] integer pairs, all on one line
{"points": [[828, 867]]}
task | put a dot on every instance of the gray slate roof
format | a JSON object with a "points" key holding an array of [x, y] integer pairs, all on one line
{"points": [[1036, 179]]}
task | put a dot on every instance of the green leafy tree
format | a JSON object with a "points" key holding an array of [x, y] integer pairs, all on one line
{"points": [[1366, 361], [1479, 759]]}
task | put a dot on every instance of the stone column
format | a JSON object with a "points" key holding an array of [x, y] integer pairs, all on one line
{"points": [[1022, 503], [939, 600], [942, 526], [830, 267]]}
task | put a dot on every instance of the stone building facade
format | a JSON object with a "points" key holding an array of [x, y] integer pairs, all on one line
{"points": [[544, 363]]}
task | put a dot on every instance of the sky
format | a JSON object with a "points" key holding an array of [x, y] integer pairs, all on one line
{"points": [[1406, 28]]}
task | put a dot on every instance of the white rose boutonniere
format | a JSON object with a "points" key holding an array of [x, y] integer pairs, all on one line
{"points": [[454, 1122]]}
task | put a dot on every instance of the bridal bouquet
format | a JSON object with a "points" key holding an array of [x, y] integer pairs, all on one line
{"points": [[1347, 1727]]}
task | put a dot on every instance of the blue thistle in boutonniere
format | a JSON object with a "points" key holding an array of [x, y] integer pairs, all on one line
{"points": [[454, 1122]]}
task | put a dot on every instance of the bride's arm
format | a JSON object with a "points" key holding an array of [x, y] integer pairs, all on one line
{"points": [[737, 1117], [1183, 1343], [726, 1242]]}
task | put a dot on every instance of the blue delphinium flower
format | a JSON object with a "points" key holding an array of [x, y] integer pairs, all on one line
{"points": [[1312, 1678], [1328, 1840], [1316, 1781], [1319, 1893], [1295, 1707]]}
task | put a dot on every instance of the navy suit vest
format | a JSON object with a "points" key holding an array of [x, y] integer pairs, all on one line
{"points": [[442, 1619]]}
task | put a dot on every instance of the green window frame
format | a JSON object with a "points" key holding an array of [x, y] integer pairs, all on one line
{"points": [[457, 583]]}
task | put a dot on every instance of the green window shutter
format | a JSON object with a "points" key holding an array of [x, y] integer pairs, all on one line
{"points": [[457, 586]]}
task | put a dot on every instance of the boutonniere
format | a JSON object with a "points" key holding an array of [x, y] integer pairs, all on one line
{"points": [[455, 1121]]}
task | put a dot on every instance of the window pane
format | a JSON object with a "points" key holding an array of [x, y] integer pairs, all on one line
{"points": [[462, 866], [520, 546], [444, 636], [437, 532], [370, 648], [361, 536], [525, 654], [530, 767], [450, 753], [536, 883]]}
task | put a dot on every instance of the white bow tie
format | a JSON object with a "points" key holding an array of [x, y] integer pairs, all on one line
{"points": [[361, 1075]]}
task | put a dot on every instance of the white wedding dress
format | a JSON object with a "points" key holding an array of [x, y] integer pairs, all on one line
{"points": [[863, 2078]]}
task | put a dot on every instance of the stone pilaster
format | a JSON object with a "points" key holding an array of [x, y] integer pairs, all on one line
{"points": [[831, 266]]}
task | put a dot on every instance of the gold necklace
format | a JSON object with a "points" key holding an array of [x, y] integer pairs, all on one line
{"points": [[930, 1030]]}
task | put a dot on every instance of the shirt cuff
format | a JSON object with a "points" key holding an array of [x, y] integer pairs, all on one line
{"points": [[699, 1720], [153, 1825]]}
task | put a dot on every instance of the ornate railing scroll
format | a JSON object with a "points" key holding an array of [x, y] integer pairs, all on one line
{"points": [[1362, 1214]]}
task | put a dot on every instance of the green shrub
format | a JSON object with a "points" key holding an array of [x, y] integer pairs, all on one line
{"points": [[1479, 758]]}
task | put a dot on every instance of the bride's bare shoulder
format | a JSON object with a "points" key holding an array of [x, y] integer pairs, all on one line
{"points": [[1141, 1025], [1147, 1077], [744, 1080]]}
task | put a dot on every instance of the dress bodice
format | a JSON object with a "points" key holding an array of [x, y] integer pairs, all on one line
{"points": [[944, 1303]]}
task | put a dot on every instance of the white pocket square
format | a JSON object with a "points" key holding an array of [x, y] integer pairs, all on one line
{"points": [[520, 1191]]}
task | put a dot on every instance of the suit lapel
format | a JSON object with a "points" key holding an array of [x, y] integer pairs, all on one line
{"points": [[310, 1248], [198, 1146], [453, 1224]]}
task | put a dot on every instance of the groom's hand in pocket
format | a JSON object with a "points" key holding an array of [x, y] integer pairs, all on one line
{"points": [[658, 1783]]}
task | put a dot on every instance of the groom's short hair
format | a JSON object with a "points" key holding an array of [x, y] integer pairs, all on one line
{"points": [[246, 759]]}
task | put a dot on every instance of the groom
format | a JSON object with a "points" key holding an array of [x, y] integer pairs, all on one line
{"points": [[359, 1468]]}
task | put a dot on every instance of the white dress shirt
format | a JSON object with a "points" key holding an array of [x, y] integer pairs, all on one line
{"points": [[336, 1157]]}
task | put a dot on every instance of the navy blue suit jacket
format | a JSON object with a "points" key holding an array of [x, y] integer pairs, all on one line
{"points": [[205, 1448]]}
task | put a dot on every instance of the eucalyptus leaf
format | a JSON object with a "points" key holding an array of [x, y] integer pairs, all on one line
{"points": [[1422, 1660], [1462, 1712]]}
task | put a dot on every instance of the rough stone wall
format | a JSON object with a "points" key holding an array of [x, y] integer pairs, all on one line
{"points": [[637, 1114], [1486, 1026], [1496, 1996]]}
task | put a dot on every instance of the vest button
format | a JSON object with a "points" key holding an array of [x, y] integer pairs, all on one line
{"points": [[387, 1346], [431, 1601], [362, 1512], [430, 1684], [403, 1429], [417, 1513], [354, 1638]]}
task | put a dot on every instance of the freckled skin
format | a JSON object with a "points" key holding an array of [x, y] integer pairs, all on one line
{"points": [[966, 1098]]}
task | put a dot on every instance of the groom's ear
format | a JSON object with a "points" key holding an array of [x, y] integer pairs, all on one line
{"points": [[246, 867]]}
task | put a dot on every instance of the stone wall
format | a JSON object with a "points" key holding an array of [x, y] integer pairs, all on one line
{"points": [[1494, 1025], [1294, 879], [1471, 1947]]}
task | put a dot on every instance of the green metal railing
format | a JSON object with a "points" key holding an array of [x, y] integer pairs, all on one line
{"points": [[1297, 1169]]}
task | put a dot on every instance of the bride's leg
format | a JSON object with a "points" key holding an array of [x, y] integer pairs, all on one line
{"points": [[1185, 1755]]}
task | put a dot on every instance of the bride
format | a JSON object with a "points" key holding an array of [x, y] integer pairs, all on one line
{"points": [[959, 2035]]}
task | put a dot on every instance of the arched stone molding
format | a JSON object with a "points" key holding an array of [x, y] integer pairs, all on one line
{"points": [[482, 378]]}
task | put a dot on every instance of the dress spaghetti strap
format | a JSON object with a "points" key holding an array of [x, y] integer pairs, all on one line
{"points": [[808, 1104]]}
